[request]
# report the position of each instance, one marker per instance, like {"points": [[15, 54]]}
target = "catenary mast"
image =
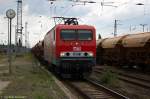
{"points": [[18, 38]]}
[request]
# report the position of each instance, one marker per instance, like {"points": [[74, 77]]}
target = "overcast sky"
{"points": [[39, 13]]}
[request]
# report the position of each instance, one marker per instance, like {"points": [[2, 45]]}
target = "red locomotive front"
{"points": [[71, 48]]}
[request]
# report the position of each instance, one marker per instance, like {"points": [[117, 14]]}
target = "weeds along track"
{"points": [[91, 90], [128, 78]]}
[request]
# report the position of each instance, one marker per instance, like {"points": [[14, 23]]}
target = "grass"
{"points": [[1, 56], [30, 81], [110, 79], [28, 56]]}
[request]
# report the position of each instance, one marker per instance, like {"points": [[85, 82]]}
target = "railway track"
{"points": [[129, 79], [92, 90], [127, 75], [89, 89]]}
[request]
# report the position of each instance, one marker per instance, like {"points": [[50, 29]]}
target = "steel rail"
{"points": [[100, 91], [112, 92], [130, 81]]}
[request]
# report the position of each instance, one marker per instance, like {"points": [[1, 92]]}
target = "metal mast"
{"points": [[26, 35], [115, 27], [19, 24], [143, 26]]}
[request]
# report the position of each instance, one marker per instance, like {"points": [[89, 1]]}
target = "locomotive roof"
{"points": [[136, 40], [62, 26]]}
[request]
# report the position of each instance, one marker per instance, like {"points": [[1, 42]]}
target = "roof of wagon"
{"points": [[136, 40], [112, 42], [98, 41]]}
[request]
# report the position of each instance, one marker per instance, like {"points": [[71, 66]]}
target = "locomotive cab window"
{"points": [[84, 35], [68, 35], [76, 35]]}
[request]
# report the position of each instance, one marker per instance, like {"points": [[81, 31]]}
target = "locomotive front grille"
{"points": [[76, 66]]}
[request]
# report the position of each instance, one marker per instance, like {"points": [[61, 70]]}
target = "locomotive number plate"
{"points": [[76, 54]]}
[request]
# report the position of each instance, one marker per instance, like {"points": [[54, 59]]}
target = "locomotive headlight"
{"points": [[62, 54], [90, 54]]}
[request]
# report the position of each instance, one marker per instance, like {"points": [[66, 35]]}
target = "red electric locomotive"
{"points": [[71, 49]]}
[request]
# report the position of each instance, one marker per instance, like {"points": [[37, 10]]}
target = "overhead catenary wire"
{"points": [[119, 5]]}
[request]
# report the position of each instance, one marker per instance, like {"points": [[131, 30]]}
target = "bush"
{"points": [[109, 78]]}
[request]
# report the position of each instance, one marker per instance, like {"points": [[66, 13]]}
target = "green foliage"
{"points": [[28, 56], [40, 95], [30, 80], [109, 78], [1, 56]]}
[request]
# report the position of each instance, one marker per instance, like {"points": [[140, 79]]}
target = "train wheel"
{"points": [[77, 76], [57, 70], [148, 68], [143, 67]]}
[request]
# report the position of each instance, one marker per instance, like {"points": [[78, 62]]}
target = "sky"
{"points": [[39, 13]]}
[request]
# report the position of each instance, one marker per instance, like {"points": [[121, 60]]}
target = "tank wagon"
{"points": [[137, 49], [70, 49], [38, 50], [130, 50]]}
